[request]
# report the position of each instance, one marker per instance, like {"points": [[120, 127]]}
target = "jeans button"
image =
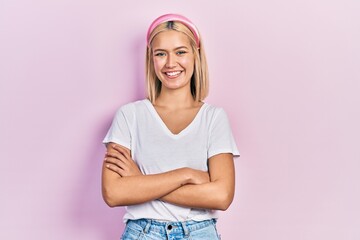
{"points": [[169, 227]]}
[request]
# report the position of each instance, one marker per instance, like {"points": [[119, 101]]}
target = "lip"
{"points": [[173, 74]]}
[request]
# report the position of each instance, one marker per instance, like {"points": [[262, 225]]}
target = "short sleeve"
{"points": [[119, 131], [221, 139]]}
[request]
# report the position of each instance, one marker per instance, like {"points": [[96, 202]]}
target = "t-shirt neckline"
{"points": [[163, 125]]}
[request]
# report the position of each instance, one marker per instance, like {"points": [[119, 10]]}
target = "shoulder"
{"points": [[132, 107], [213, 112], [215, 116], [130, 110]]}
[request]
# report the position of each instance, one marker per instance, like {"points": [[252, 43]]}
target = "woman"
{"points": [[170, 157]]}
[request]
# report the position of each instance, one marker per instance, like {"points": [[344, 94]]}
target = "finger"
{"points": [[125, 152], [122, 172], [118, 159], [125, 161], [122, 162], [119, 156], [114, 168], [111, 150], [122, 150], [119, 150], [114, 155], [117, 162]]}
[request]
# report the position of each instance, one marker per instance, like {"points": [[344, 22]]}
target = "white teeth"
{"points": [[173, 73]]}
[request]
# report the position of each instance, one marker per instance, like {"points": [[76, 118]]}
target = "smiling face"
{"points": [[173, 60]]}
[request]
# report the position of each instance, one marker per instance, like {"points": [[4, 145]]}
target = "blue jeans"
{"points": [[148, 229]]}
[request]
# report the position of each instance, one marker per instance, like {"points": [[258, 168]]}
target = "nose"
{"points": [[171, 61]]}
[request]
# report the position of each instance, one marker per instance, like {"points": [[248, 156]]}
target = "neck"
{"points": [[175, 99]]}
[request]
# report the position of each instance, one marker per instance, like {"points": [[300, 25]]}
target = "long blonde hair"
{"points": [[200, 78]]}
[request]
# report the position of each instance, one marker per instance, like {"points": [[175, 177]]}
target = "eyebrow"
{"points": [[158, 49]]}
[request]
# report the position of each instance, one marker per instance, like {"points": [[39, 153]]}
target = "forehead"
{"points": [[170, 39]]}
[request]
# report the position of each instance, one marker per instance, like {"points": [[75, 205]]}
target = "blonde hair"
{"points": [[200, 78]]}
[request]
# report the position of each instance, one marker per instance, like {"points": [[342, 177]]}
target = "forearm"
{"points": [[124, 184], [212, 195], [120, 191], [217, 194]]}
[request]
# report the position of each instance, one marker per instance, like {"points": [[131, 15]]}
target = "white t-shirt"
{"points": [[156, 149]]}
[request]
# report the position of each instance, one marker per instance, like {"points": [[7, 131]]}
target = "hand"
{"points": [[118, 159], [199, 177]]}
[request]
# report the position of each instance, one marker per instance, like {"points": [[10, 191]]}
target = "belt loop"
{"points": [[186, 229], [147, 227]]}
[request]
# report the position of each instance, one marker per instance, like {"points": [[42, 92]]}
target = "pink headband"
{"points": [[174, 17]]}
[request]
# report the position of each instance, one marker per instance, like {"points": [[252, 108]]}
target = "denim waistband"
{"points": [[163, 227]]}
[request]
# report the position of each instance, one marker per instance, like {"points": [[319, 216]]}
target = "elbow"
{"points": [[224, 201], [224, 206], [110, 198], [109, 202]]}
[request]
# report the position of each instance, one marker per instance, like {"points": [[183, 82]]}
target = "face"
{"points": [[173, 60]]}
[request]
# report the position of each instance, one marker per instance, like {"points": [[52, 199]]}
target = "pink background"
{"points": [[287, 73]]}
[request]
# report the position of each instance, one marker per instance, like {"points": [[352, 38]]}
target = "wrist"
{"points": [[186, 175]]}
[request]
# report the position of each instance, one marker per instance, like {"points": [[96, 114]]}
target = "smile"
{"points": [[173, 74]]}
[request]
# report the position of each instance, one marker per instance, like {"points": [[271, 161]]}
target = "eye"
{"points": [[181, 52], [159, 54]]}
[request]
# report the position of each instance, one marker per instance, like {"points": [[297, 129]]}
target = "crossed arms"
{"points": [[124, 184]]}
